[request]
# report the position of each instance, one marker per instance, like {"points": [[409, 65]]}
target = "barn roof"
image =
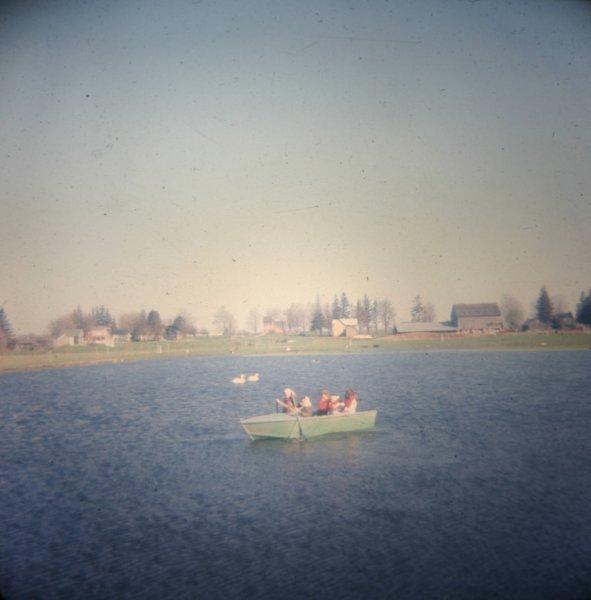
{"points": [[73, 332], [347, 322], [485, 309]]}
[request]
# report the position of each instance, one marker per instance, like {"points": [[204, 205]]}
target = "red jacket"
{"points": [[323, 403]]}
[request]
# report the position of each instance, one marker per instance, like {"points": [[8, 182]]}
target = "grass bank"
{"points": [[285, 345]]}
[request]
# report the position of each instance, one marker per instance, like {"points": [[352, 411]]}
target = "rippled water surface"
{"points": [[136, 480]]}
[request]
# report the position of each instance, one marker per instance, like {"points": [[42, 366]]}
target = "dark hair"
{"points": [[350, 393]]}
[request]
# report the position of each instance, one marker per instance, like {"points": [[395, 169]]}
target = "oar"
{"points": [[297, 414]]}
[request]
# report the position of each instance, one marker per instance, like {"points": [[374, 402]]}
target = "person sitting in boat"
{"points": [[335, 405], [288, 402], [350, 405], [323, 403], [305, 407]]}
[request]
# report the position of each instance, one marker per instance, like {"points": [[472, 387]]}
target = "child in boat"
{"points": [[288, 402], [323, 403], [350, 405], [305, 407], [335, 405]]}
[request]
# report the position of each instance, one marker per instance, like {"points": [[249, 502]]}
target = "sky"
{"points": [[185, 155]]}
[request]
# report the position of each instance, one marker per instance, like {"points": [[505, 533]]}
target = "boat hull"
{"points": [[281, 426]]}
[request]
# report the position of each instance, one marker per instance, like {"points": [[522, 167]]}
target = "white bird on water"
{"points": [[241, 379], [254, 377]]}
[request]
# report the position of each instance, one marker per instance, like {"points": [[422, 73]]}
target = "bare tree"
{"points": [[295, 316], [129, 320], [386, 313], [429, 313], [58, 326], [512, 311], [254, 319], [422, 313], [75, 319], [273, 314], [137, 324], [560, 304], [224, 321]]}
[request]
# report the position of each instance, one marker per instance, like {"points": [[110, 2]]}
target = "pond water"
{"points": [[136, 480]]}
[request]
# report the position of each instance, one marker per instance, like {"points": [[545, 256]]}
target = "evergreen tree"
{"points": [[359, 313], [101, 316], [584, 309], [417, 311], [345, 306], [6, 333], [319, 319], [179, 323], [373, 315], [366, 312], [154, 323], [544, 307], [80, 320], [336, 308]]}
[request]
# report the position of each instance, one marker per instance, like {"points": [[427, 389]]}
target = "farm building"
{"points": [[477, 317], [100, 336], [70, 337], [344, 327], [271, 325], [429, 327], [121, 336]]}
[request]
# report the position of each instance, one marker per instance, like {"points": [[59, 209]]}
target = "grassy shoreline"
{"points": [[285, 346]]}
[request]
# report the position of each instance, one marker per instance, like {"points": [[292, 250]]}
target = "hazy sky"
{"points": [[185, 155]]}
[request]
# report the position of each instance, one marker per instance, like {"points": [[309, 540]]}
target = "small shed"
{"points": [[344, 327], [70, 337], [477, 317]]}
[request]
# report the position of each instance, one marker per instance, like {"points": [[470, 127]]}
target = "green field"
{"points": [[285, 345]]}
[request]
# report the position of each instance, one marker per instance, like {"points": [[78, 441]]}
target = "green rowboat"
{"points": [[282, 426]]}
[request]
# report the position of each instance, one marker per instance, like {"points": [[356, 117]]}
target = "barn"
{"points": [[477, 317]]}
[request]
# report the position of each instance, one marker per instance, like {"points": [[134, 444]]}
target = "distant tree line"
{"points": [[316, 317], [141, 325], [548, 312], [373, 316]]}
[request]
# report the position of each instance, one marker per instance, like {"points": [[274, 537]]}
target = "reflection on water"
{"points": [[137, 480]]}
